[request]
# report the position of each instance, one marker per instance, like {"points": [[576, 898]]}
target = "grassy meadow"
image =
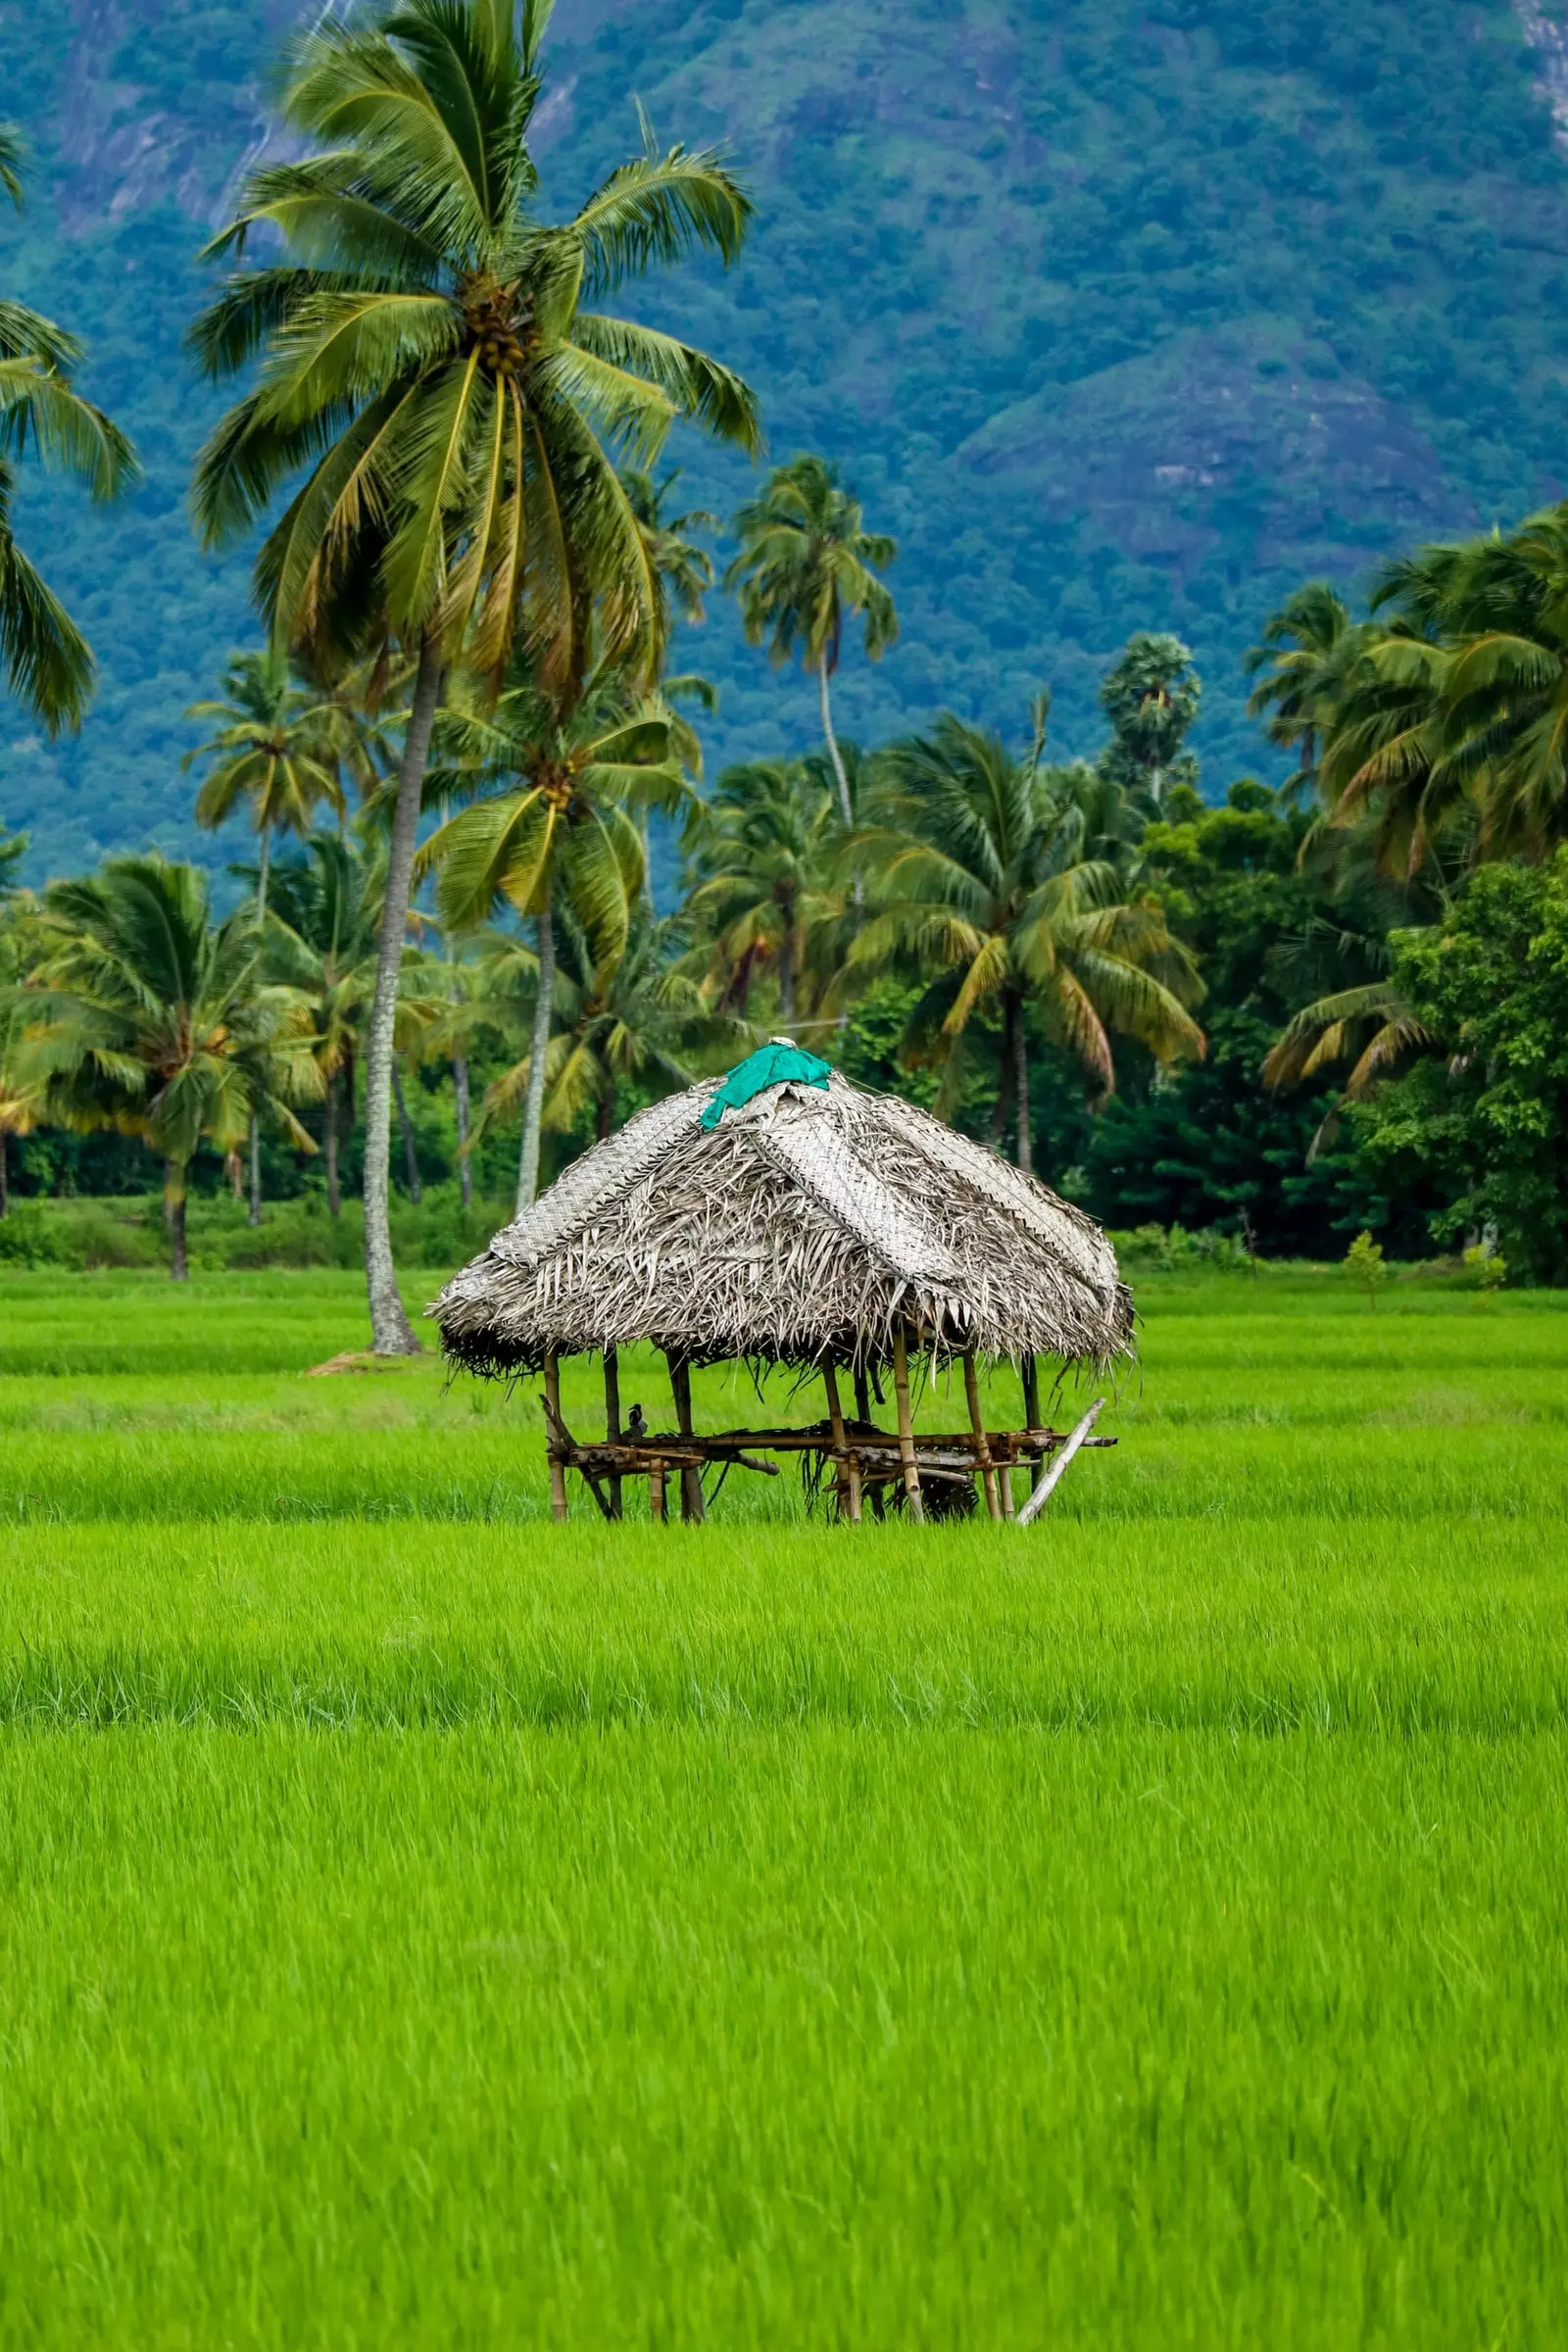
{"points": [[423, 1924]]}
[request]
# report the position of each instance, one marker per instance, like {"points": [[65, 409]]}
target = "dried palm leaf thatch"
{"points": [[801, 1229]]}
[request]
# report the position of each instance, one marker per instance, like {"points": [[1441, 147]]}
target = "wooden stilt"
{"points": [[901, 1387], [982, 1444], [557, 1473], [1031, 1409], [691, 1479], [657, 1509], [613, 1425], [849, 1472], [863, 1414]]}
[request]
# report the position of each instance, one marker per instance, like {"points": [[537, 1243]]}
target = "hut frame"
{"points": [[784, 1216]]}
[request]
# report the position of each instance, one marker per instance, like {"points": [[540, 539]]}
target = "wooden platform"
{"points": [[947, 1459]]}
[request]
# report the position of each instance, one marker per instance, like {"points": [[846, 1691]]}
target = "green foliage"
{"points": [[1483, 1127], [1488, 1269], [1363, 1262]]}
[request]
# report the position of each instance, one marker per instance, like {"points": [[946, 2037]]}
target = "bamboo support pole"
{"points": [[1042, 1494], [848, 1465], [558, 1472], [863, 1414], [612, 1424], [900, 1386], [691, 1478], [982, 1445], [657, 1509], [1031, 1408]]}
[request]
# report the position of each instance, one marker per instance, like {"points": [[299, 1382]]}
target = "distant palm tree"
{"points": [[807, 565], [764, 892], [976, 886], [1303, 664], [21, 1093], [642, 1026], [46, 660], [275, 752], [684, 568], [554, 823], [322, 942], [147, 1019], [427, 355]]}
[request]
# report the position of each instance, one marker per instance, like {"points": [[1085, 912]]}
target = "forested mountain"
{"points": [[1117, 315]]}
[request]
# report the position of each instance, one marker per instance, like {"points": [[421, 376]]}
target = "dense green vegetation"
{"points": [[422, 1922], [1067, 354]]}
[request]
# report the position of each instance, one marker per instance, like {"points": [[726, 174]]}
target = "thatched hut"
{"points": [[782, 1215]]}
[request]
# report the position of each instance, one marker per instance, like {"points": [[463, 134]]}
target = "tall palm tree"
{"points": [[46, 660], [808, 564], [147, 1019], [554, 823], [322, 942], [640, 1026], [763, 890], [427, 352], [976, 886], [275, 752], [1303, 664]]}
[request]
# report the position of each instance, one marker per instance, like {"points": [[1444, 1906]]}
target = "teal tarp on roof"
{"points": [[770, 1065]]}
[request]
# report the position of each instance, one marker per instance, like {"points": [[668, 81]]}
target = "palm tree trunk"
{"points": [[5, 1178], [256, 1124], [533, 1108], [334, 1195], [389, 1325], [410, 1160], [845, 809], [460, 1094], [1020, 1071], [174, 1219], [786, 973]]}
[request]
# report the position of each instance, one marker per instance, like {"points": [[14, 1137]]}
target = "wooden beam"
{"points": [[558, 1472], [901, 1387], [1053, 1478], [982, 1447], [612, 1424], [1031, 1408], [847, 1464], [691, 1478], [863, 1414]]}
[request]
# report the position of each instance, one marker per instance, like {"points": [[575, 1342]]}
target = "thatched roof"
{"points": [[797, 1226]]}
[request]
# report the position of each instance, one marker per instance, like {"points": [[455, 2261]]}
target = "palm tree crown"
{"points": [[45, 658], [977, 885], [806, 564]]}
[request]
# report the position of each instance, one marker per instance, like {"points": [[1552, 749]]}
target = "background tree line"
{"points": [[1303, 1013]]}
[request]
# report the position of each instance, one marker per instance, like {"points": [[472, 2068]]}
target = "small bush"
{"points": [[28, 1237]]}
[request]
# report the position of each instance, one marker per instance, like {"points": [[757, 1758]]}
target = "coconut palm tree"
{"points": [[429, 353], [147, 1020], [322, 942], [21, 1090], [806, 564], [275, 752], [642, 1027], [763, 891], [46, 660], [976, 886], [1303, 664], [554, 823], [683, 567]]}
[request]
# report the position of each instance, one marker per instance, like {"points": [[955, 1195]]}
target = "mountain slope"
{"points": [[1119, 315]]}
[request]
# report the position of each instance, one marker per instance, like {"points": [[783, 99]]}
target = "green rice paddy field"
{"points": [[419, 1924]]}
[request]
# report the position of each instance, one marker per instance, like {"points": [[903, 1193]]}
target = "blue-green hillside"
{"points": [[1118, 314]]}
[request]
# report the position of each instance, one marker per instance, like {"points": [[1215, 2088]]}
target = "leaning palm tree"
{"points": [[274, 753], [145, 1018], [554, 823], [43, 655], [427, 351], [976, 886], [807, 565]]}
